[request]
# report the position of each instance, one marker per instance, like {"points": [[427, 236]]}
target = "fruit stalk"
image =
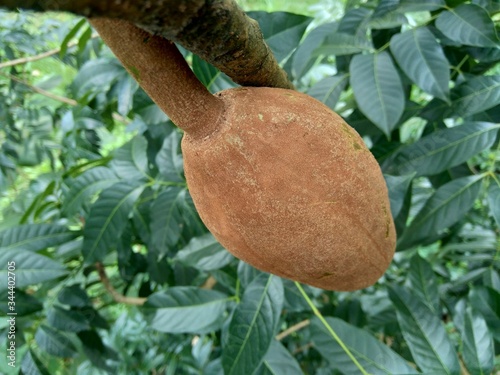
{"points": [[163, 73]]}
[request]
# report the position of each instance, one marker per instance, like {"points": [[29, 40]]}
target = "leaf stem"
{"points": [[330, 329]]}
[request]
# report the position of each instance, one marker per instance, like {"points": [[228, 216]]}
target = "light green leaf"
{"points": [[169, 159], [494, 199], [328, 90], [27, 268], [424, 283], [35, 237], [424, 333], [183, 309], [31, 365], [442, 149], [487, 301], [204, 253], [478, 348], [443, 209], [130, 161], [54, 342], [375, 357], [468, 24], [475, 95], [166, 219], [253, 325], [398, 186], [355, 21], [96, 75], [108, 218], [339, 44], [279, 361], [126, 89], [378, 89], [422, 59], [82, 188]]}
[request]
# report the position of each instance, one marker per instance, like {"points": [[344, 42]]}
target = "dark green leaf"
{"points": [[35, 237], [487, 301], [169, 159], [96, 75], [204, 253], [375, 357], [355, 21], [74, 295], [424, 283], [166, 219], [246, 273], [468, 24], [95, 350], [478, 349], [378, 89], [253, 325], [72, 33], [30, 268], [424, 333], [421, 5], [443, 209], [277, 361], [422, 59], [328, 90], [442, 149], [54, 342], [282, 31], [398, 186], [67, 320], [126, 89], [185, 310], [494, 199], [82, 188], [25, 304], [31, 365], [340, 44], [131, 161], [108, 218], [475, 95]]}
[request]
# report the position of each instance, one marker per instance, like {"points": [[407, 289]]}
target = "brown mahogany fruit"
{"points": [[280, 180]]}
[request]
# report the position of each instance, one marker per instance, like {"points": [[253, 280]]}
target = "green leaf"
{"points": [[131, 161], [282, 31], [443, 209], [204, 253], [166, 219], [74, 295], [183, 309], [28, 268], [398, 186], [96, 75], [378, 89], [31, 365], [442, 149], [475, 95], [35, 237], [82, 188], [468, 24], [54, 342], [420, 6], [328, 90], [25, 304], [99, 354], [422, 59], [70, 35], [67, 320], [126, 89], [478, 348], [108, 218], [169, 159], [253, 325], [340, 44], [487, 301], [424, 333], [278, 360], [424, 283], [494, 199], [355, 21], [375, 357]]}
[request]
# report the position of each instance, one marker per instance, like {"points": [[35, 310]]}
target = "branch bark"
{"points": [[216, 30], [117, 296]]}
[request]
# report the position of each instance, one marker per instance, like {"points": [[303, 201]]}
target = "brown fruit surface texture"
{"points": [[284, 184]]}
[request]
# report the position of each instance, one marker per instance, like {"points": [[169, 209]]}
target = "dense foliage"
{"points": [[115, 272]]}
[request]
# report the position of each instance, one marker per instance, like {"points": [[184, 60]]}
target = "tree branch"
{"points": [[216, 30], [117, 296], [292, 329]]}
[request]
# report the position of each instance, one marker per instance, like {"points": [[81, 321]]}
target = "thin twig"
{"points": [[293, 329], [117, 296], [41, 56]]}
